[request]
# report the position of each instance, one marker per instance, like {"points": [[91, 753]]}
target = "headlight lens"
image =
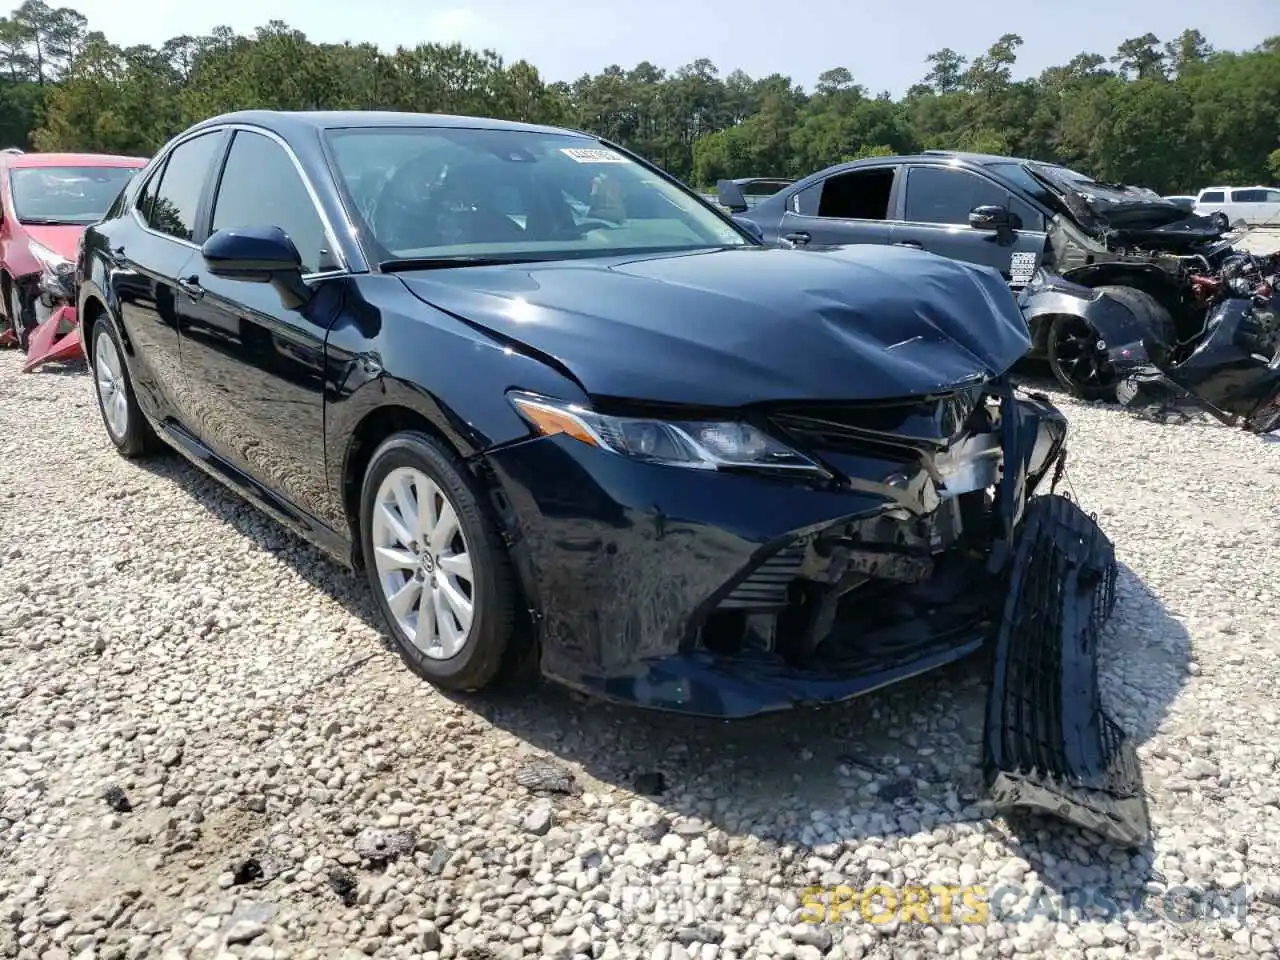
{"points": [[701, 445], [53, 263]]}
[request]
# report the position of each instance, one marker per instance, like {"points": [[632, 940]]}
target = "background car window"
{"points": [[261, 187], [1247, 196], [941, 195], [858, 195], [66, 195], [1213, 196], [177, 197]]}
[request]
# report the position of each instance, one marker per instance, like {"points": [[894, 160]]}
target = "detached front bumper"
{"points": [[56, 336], [55, 340]]}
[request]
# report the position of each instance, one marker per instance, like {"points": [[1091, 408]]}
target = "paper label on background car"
{"points": [[592, 155], [1022, 267]]}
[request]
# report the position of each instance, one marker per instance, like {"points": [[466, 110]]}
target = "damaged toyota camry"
{"points": [[558, 406]]}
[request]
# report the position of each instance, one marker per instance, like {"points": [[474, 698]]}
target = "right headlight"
{"points": [[697, 444]]}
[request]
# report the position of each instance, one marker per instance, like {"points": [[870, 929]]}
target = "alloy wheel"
{"points": [[423, 563], [1081, 356], [109, 374]]}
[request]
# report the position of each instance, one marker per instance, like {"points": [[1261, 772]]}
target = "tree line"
{"points": [[1174, 116]]}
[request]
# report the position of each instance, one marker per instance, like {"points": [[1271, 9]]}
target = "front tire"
{"points": [[21, 319], [1076, 360], [439, 572], [127, 428]]}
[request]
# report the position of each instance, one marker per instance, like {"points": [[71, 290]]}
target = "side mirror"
{"points": [[730, 196], [751, 227], [258, 255], [991, 217]]}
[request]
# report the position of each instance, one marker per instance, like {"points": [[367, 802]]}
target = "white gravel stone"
{"points": [[160, 636]]}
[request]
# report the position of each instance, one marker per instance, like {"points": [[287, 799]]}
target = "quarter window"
{"points": [[173, 208], [260, 187]]}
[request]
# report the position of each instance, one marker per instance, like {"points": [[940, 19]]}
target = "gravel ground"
{"points": [[160, 637]]}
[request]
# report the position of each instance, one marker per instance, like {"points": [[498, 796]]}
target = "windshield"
{"points": [[432, 192], [71, 195]]}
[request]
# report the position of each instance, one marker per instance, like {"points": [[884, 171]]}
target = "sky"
{"points": [[883, 44]]}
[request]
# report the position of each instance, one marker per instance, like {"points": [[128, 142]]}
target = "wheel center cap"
{"points": [[428, 565]]}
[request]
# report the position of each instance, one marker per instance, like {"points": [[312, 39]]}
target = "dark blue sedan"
{"points": [[559, 408]]}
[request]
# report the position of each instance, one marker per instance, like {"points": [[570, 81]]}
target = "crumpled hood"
{"points": [[62, 240], [1118, 208], [731, 327]]}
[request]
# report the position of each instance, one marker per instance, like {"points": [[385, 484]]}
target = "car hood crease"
{"points": [[734, 327]]}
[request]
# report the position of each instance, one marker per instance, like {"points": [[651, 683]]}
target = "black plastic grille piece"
{"points": [[766, 587], [1050, 748]]}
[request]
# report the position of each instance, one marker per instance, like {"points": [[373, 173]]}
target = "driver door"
{"points": [[254, 367], [934, 216]]}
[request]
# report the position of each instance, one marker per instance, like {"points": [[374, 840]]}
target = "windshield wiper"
{"points": [[443, 263], [51, 222]]}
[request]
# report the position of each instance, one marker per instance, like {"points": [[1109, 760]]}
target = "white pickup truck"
{"points": [[1256, 206]]}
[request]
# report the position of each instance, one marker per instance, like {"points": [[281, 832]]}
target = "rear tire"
{"points": [[127, 427], [434, 559]]}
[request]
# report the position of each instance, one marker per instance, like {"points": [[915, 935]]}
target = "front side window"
{"points": [[73, 195], [433, 192], [260, 186], [943, 195], [177, 196], [1212, 196]]}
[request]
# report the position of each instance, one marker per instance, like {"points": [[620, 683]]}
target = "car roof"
{"points": [[292, 122], [72, 160]]}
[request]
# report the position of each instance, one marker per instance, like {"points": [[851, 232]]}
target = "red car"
{"points": [[46, 201]]}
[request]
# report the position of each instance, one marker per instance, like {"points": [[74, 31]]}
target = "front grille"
{"points": [[1050, 748], [922, 421]]}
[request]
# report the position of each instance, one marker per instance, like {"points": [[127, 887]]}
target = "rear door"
{"points": [[933, 214], [848, 207], [148, 259]]}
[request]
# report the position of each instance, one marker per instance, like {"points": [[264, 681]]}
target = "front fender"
{"points": [[1123, 330]]}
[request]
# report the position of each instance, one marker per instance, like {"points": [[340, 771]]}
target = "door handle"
{"points": [[191, 286], [908, 243], [799, 238]]}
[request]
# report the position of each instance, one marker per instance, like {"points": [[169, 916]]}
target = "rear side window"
{"points": [[1213, 196], [261, 187], [857, 195], [176, 202]]}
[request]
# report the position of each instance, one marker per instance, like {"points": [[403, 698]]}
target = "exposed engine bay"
{"points": [[1226, 357]]}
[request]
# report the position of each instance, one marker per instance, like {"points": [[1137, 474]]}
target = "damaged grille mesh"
{"points": [[1050, 748]]}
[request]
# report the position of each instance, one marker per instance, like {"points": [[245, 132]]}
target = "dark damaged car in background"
{"points": [[1125, 292], [557, 406]]}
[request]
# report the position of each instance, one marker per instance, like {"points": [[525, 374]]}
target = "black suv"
{"points": [[1017, 216]]}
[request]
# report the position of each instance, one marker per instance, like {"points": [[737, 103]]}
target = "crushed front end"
{"points": [[731, 593], [56, 335], [922, 540]]}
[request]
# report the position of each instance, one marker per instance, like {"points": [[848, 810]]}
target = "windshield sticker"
{"points": [[1022, 267], [592, 155]]}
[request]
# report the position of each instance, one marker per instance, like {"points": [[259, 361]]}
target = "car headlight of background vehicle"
{"points": [[56, 271], [700, 445]]}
